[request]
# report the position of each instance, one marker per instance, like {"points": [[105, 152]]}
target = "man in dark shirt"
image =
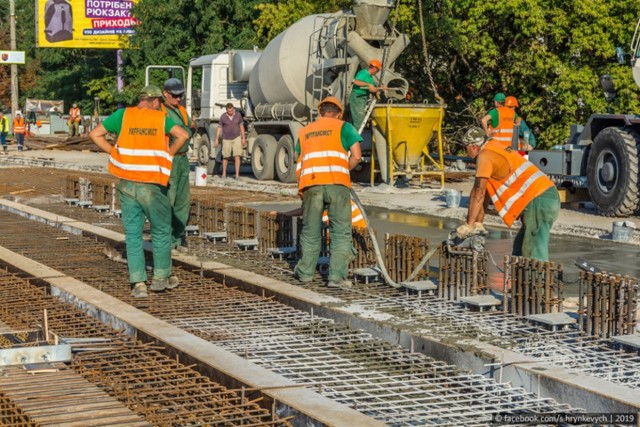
{"points": [[233, 138]]}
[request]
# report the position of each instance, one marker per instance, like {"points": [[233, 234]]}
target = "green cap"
{"points": [[474, 136], [500, 97], [150, 91]]}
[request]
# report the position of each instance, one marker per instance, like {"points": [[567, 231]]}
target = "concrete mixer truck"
{"points": [[278, 89]]}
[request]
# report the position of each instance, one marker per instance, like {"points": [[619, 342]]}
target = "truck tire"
{"points": [[362, 173], [263, 157], [285, 160], [204, 156], [612, 171]]}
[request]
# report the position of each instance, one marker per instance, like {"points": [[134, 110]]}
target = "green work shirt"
{"points": [[113, 123], [364, 76], [348, 135]]}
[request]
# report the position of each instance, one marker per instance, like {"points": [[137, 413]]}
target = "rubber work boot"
{"points": [[173, 282], [342, 284], [158, 285], [139, 290]]}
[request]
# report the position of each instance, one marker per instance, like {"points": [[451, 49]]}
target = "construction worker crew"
{"points": [[178, 191], [517, 188], [74, 120], [363, 85], [4, 131], [19, 129], [142, 159], [231, 126], [323, 182]]}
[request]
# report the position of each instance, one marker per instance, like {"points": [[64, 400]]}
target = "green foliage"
{"points": [[547, 53]]}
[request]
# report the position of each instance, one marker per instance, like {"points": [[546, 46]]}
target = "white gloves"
{"points": [[466, 230]]}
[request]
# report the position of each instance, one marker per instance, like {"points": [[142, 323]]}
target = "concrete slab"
{"points": [[214, 236], [246, 244], [628, 340], [552, 320]]}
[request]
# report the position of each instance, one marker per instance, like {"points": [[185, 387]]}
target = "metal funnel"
{"points": [[370, 17]]}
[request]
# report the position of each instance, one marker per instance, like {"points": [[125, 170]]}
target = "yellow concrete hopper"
{"points": [[401, 134]]}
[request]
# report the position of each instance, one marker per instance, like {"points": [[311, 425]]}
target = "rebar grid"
{"points": [[207, 214], [164, 391], [386, 382], [607, 304], [12, 415], [241, 223], [61, 397], [461, 274], [402, 254], [532, 286], [276, 231]]}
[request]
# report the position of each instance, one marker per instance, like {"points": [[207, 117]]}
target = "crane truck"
{"points": [[602, 155], [277, 90]]}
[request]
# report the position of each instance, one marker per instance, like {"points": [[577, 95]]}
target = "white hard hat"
{"points": [[18, 112]]}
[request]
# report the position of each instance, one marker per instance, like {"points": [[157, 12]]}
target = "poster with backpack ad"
{"points": [[96, 24]]}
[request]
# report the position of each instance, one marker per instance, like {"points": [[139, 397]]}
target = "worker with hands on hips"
{"points": [[517, 188], [142, 159]]}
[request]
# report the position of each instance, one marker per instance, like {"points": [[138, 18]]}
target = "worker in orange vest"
{"points": [[142, 159], [323, 182], [517, 189], [500, 121], [357, 220], [19, 129], [74, 120]]}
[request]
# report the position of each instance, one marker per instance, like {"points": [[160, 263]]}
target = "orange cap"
{"points": [[375, 63], [511, 101], [332, 100]]}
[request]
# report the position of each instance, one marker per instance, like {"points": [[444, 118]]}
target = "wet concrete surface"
{"points": [[608, 256]]}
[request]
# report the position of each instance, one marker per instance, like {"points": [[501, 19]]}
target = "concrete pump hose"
{"points": [[376, 249]]}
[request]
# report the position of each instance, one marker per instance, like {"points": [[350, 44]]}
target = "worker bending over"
{"points": [[323, 181], [517, 189], [142, 159]]}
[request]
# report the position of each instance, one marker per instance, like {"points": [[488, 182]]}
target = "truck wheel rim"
{"points": [[608, 171]]}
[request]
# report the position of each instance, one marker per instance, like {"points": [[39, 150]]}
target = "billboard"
{"points": [[96, 24], [12, 56]]}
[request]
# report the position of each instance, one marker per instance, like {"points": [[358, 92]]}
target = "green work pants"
{"points": [[179, 197], [337, 201], [532, 241], [357, 106], [139, 201]]}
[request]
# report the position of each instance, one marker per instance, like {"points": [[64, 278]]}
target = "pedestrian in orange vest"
{"points": [[19, 129], [517, 189]]}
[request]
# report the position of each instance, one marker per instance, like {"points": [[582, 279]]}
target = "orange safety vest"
{"points": [[524, 183], [19, 126], [142, 153], [181, 109], [74, 115], [323, 160], [356, 216], [504, 131]]}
